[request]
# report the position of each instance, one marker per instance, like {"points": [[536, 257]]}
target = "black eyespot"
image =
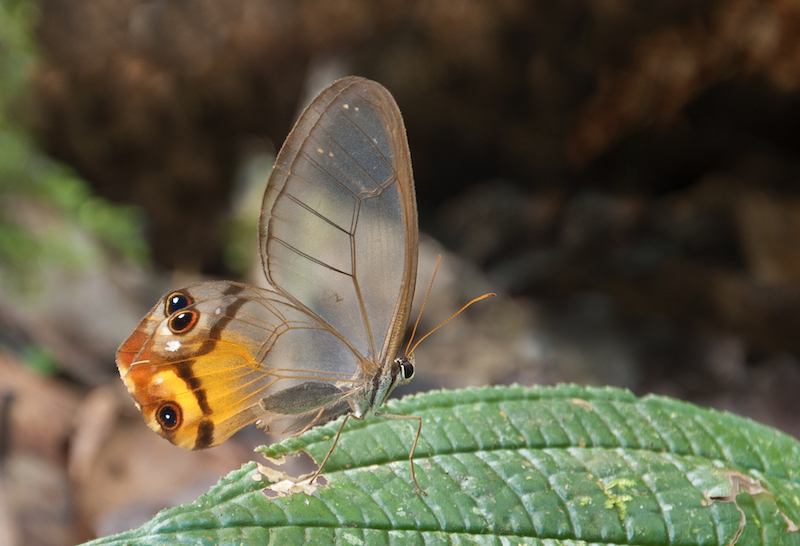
{"points": [[169, 416], [177, 301], [182, 322], [406, 370]]}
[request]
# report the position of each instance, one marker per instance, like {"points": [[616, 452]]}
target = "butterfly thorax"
{"points": [[399, 372]]}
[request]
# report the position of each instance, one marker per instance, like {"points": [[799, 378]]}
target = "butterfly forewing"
{"points": [[339, 227]]}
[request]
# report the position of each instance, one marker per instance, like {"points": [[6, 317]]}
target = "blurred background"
{"points": [[623, 174]]}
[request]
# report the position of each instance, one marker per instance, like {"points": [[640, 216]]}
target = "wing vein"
{"points": [[316, 213], [309, 257]]}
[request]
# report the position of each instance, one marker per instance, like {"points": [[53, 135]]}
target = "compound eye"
{"points": [[169, 416], [181, 323], [177, 301], [406, 370]]}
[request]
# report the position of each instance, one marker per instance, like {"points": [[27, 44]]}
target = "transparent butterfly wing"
{"points": [[338, 229]]}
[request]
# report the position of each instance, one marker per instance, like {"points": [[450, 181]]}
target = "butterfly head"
{"points": [[405, 370]]}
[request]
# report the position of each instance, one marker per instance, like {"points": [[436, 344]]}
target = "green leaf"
{"points": [[508, 465]]}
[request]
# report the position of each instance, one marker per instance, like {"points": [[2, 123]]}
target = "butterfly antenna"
{"points": [[454, 315], [424, 303]]}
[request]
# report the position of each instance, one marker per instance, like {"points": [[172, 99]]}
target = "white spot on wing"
{"points": [[173, 345]]}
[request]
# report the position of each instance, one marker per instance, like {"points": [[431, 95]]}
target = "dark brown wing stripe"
{"points": [[184, 371], [205, 434], [216, 331], [232, 290]]}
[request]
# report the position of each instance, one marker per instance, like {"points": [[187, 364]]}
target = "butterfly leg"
{"points": [[413, 446], [335, 441]]}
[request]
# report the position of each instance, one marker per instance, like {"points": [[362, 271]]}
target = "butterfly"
{"points": [[338, 238]]}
